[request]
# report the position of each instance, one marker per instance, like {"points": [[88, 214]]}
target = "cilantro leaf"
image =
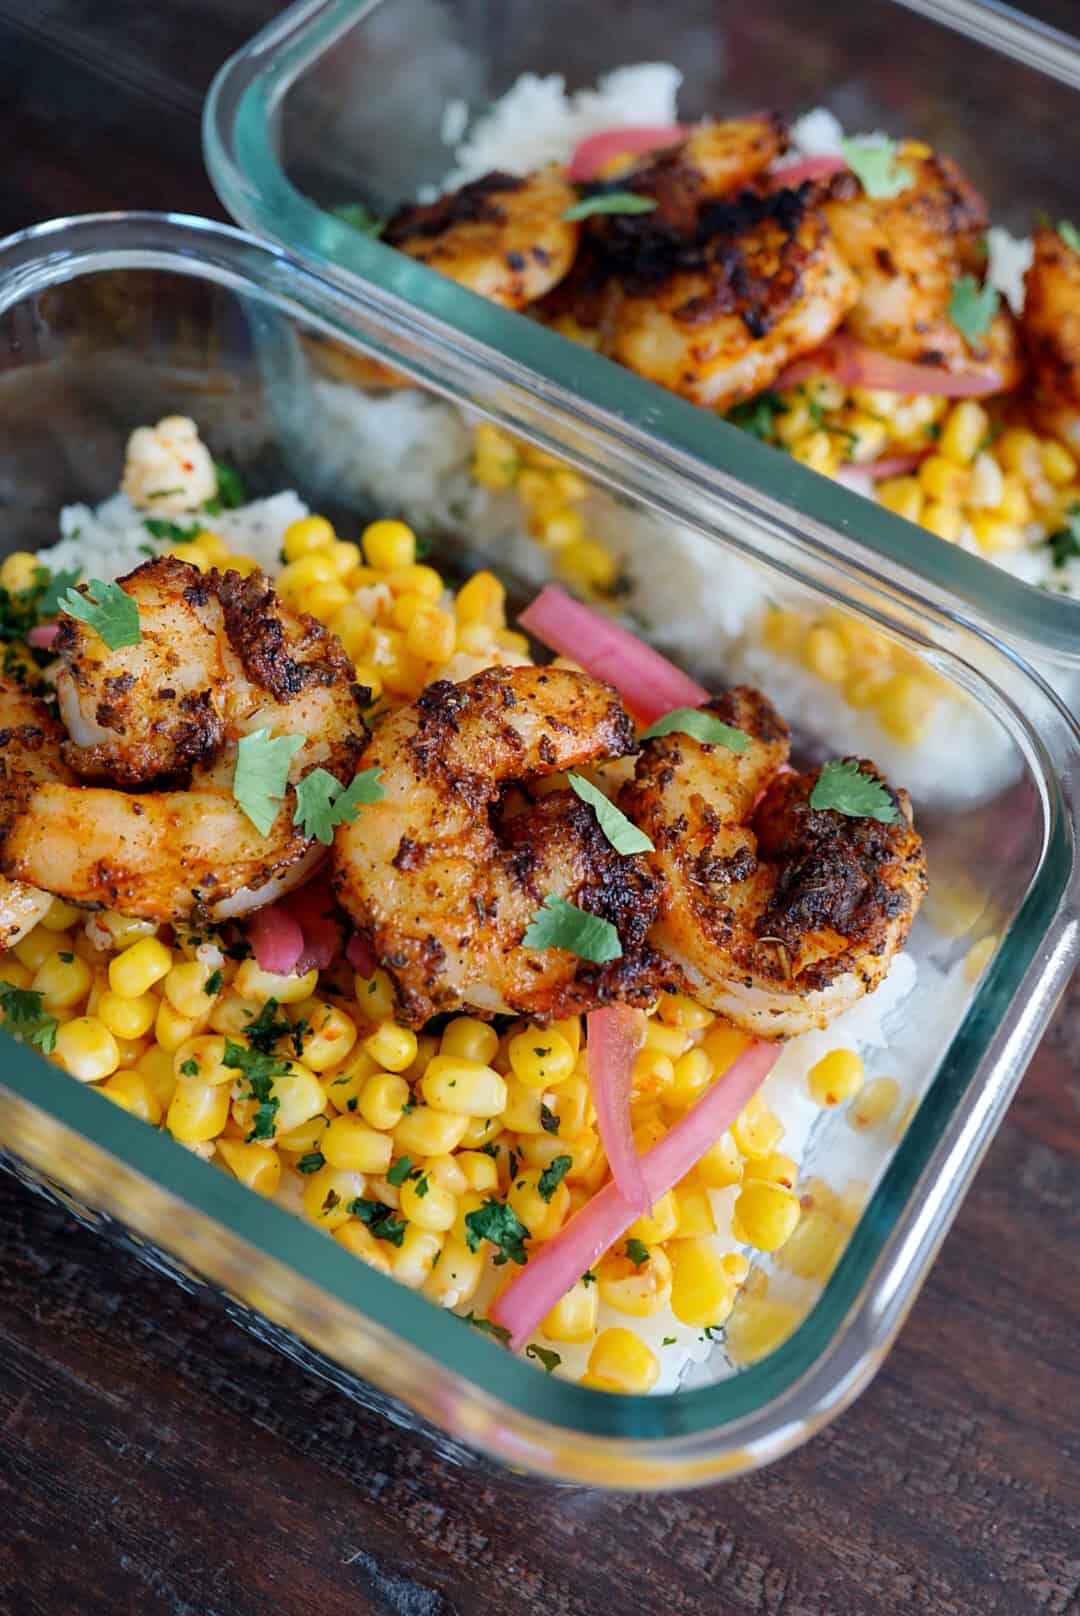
{"points": [[548, 1120], [189, 1067], [621, 832], [588, 1278], [311, 1161], [212, 985], [262, 774], [543, 1355], [842, 786], [231, 490], [637, 1251], [873, 162], [757, 415], [259, 1071], [323, 802], [158, 528], [108, 610], [559, 924], [669, 1341], [379, 1218], [53, 585], [267, 1027], [610, 202], [1069, 234], [400, 1171], [1065, 542], [489, 1327], [972, 307], [553, 1175], [359, 218], [497, 1222], [26, 1018], [705, 727]]}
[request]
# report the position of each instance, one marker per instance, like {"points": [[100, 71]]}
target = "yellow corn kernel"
{"points": [[542, 1217], [824, 653], [252, 982], [127, 1018], [721, 1164], [836, 1077], [693, 1074], [903, 495], [481, 599], [405, 608], [297, 576], [670, 1041], [782, 631], [14, 973], [471, 1038], [904, 706], [941, 479], [521, 1111], [382, 1099], [353, 628], [588, 563], [638, 1289], [375, 997], [815, 1247], [87, 1049], [541, 1149], [621, 1362], [415, 1260], [793, 423], [818, 450], [431, 634], [757, 1130], [463, 1087], [776, 1168], [657, 1225], [59, 916], [1014, 504], [765, 1214], [345, 556], [987, 482], [702, 1292], [875, 1103], [1020, 452], [573, 1318], [329, 1037], [572, 1105], [20, 570], [185, 987], [563, 528], [197, 1111], [155, 1065], [944, 520], [468, 1202], [350, 1143], [324, 600], [758, 1326], [130, 1050], [257, 1166], [371, 678], [425, 1131], [508, 639], [416, 580], [202, 1060], [304, 1139], [723, 1044], [541, 1058], [993, 534], [480, 1131], [964, 431], [135, 971], [1058, 465], [736, 1266], [307, 533], [38, 946], [130, 1090], [299, 1095], [230, 1014], [978, 957], [480, 1171], [328, 1193], [245, 565], [428, 1204], [363, 1244], [864, 687], [125, 929], [653, 1073], [456, 1275], [63, 981], [694, 1209], [868, 439], [388, 544]]}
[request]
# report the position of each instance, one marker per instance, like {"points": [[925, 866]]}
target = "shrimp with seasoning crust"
{"points": [[21, 907], [445, 890], [777, 915], [219, 658], [1051, 330]]}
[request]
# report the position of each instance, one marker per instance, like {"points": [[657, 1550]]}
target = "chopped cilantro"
{"points": [[491, 1149], [873, 162], [267, 1027], [842, 786], [323, 802], [52, 586], [621, 832], [261, 775], [543, 1355], [330, 1200], [67, 958], [108, 610], [512, 1163], [609, 202], [1065, 542], [702, 726], [231, 491], [399, 1172], [213, 983], [559, 924], [553, 1175], [588, 1278], [497, 1222], [259, 1071], [421, 1182], [189, 1067], [758, 415], [158, 528], [311, 1161], [1069, 234], [669, 1341], [548, 1120], [637, 1251], [26, 1018], [379, 1218], [489, 1327], [972, 307]]}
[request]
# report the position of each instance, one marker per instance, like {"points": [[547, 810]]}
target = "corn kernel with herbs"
{"points": [[621, 1362]]}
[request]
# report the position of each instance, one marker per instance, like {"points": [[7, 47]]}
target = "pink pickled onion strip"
{"points": [[615, 1035], [360, 955], [312, 907], [558, 1264], [592, 153], [859, 366], [806, 168], [785, 768], [276, 939], [649, 684], [897, 465], [43, 635]]}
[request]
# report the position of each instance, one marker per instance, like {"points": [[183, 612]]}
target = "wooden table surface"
{"points": [[154, 1459]]}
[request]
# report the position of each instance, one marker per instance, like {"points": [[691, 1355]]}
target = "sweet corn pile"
{"points": [[307, 1090]]}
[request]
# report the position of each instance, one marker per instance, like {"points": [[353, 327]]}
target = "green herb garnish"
{"points": [[231, 492], [669, 1341], [548, 1120], [267, 1027], [621, 832], [379, 1218], [495, 1221], [1065, 542], [637, 1251], [213, 983], [258, 1071], [873, 162], [610, 202], [543, 1355], [588, 1278], [553, 1175], [107, 610], [158, 528], [261, 775], [842, 786], [560, 924], [189, 1068], [757, 415], [972, 307], [67, 958], [26, 1018], [399, 1172], [488, 1326], [52, 585], [1069, 234], [311, 1161], [702, 726], [323, 802]]}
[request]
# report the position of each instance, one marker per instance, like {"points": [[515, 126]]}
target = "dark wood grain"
{"points": [[154, 1459]]}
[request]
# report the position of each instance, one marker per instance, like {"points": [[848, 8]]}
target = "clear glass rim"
{"points": [[769, 1407], [238, 123]]}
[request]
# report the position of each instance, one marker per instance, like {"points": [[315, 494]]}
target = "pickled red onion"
{"points": [[312, 907], [859, 366], [806, 168], [648, 683], [43, 635], [276, 939], [361, 955], [898, 465], [558, 1264], [615, 1035], [592, 153]]}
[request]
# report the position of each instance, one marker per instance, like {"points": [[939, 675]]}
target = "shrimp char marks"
{"points": [[192, 705], [775, 898]]}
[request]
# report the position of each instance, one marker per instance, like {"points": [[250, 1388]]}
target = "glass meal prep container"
{"points": [[342, 101], [113, 321]]}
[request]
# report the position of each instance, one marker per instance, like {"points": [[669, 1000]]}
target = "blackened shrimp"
{"points": [[445, 890], [220, 657], [778, 916], [1051, 331]]}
